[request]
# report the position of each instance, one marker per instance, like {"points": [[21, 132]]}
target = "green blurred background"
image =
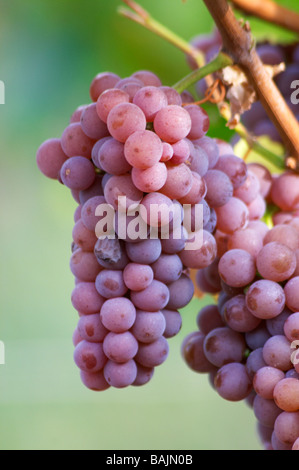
{"points": [[49, 53]]}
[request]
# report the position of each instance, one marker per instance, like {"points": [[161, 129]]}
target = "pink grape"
{"points": [[284, 234], [149, 326], [287, 427], [209, 319], [232, 216], [286, 394], [120, 347], [237, 268], [112, 159], [172, 123], [153, 354], [193, 354], [150, 180], [223, 346], [84, 266], [265, 299], [234, 167], [120, 375], [120, 186], [291, 291], [110, 284], [202, 257], [276, 262], [200, 122], [118, 315], [144, 375], [155, 297], [102, 82], [125, 119], [138, 277], [173, 321], [86, 299], [91, 328], [90, 357], [108, 100], [265, 381], [238, 317], [147, 78], [50, 158], [285, 191], [94, 381], [92, 125], [232, 382], [75, 143], [143, 149], [277, 353], [291, 327], [77, 173], [151, 100]]}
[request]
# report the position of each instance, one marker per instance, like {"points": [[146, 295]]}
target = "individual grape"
{"points": [[264, 176], [208, 319], [144, 375], [203, 285], [197, 192], [144, 252], [287, 427], [108, 100], [128, 81], [150, 180], [94, 190], [278, 445], [90, 357], [94, 381], [284, 234], [110, 284], [249, 190], [120, 347], [159, 210], [153, 354], [151, 100], [210, 147], [277, 353], [77, 173], [212, 274], [257, 338], [234, 167], [291, 291], [167, 152], [89, 217], [86, 299], [285, 191], [223, 346], [199, 160], [181, 293], [125, 119], [173, 321], [76, 116], [255, 362], [275, 325], [102, 82], [224, 148], [265, 299], [91, 328], [271, 54], [111, 254], [138, 277], [291, 327], [202, 257], [84, 238], [238, 317], [232, 216], [296, 445], [276, 262], [50, 158], [75, 143], [112, 159], [266, 411], [92, 125], [249, 240], [265, 381], [77, 215], [172, 96], [219, 188], [193, 353], [232, 382], [181, 152], [147, 78], [286, 394], [172, 123], [148, 326], [153, 298], [237, 268], [281, 218], [257, 208], [259, 227], [122, 186], [95, 151], [84, 266], [200, 122], [168, 268], [179, 182], [118, 315], [120, 375], [143, 149], [176, 241]]}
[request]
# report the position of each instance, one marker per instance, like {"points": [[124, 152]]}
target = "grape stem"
{"points": [[270, 11], [238, 43], [141, 16], [221, 61]]}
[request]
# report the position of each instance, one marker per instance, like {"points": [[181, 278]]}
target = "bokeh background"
{"points": [[49, 53]]}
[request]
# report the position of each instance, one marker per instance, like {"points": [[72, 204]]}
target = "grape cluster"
{"points": [[139, 144], [248, 342], [256, 119]]}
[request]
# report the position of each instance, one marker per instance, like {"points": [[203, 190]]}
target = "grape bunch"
{"points": [[256, 119], [248, 342], [138, 145]]}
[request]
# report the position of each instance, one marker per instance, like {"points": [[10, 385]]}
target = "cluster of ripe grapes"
{"points": [[256, 119], [141, 146]]}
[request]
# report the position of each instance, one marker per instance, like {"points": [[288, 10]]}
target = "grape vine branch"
{"points": [[239, 45], [271, 12]]}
